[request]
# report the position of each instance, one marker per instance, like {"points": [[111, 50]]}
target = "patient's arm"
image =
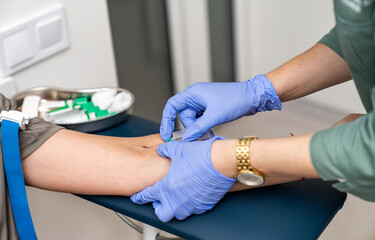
{"points": [[90, 164]]}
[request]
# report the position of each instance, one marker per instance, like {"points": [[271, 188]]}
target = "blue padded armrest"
{"points": [[298, 210]]}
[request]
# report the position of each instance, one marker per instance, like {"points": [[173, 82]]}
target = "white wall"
{"points": [[89, 62], [280, 30]]}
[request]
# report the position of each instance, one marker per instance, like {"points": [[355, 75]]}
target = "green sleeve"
{"points": [[331, 40], [347, 152]]}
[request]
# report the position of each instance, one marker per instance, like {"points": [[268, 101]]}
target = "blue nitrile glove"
{"points": [[219, 103], [192, 185]]}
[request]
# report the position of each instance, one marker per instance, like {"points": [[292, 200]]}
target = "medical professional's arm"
{"points": [[89, 164], [318, 68]]}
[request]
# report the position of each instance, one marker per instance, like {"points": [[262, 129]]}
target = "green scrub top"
{"points": [[347, 152]]}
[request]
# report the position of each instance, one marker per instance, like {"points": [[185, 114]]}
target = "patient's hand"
{"points": [[90, 164]]}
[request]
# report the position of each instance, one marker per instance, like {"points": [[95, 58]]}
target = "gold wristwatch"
{"points": [[246, 173]]}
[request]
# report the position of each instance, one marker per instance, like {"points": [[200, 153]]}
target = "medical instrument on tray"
{"points": [[80, 109], [177, 135]]}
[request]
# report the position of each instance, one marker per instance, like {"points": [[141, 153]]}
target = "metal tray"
{"points": [[51, 93]]}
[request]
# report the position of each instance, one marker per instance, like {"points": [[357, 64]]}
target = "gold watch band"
{"points": [[243, 156]]}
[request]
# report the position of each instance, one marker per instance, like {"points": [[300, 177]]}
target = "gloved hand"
{"points": [[219, 103], [192, 185]]}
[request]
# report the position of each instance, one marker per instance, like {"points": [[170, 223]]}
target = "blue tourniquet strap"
{"points": [[15, 180]]}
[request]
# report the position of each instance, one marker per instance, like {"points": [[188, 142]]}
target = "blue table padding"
{"points": [[299, 210]]}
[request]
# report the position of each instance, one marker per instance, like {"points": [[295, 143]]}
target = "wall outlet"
{"points": [[32, 41]]}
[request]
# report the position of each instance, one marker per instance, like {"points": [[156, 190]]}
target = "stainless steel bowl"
{"points": [[51, 93]]}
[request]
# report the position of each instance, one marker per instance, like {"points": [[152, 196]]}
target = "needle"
{"points": [[153, 145], [168, 140]]}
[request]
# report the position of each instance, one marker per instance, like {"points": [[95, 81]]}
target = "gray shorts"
{"points": [[36, 133]]}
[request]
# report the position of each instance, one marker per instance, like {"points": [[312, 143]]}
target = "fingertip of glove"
{"points": [[135, 198], [163, 136]]}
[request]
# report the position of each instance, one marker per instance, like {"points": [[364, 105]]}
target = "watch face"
{"points": [[250, 179]]}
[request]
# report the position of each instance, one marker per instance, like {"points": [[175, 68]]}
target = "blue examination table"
{"points": [[298, 210]]}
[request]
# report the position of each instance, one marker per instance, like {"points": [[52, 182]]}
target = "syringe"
{"points": [[177, 135]]}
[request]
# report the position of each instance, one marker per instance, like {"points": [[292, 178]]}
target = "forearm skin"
{"points": [[89, 164], [317, 68]]}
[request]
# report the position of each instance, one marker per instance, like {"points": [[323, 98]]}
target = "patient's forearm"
{"points": [[89, 164]]}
